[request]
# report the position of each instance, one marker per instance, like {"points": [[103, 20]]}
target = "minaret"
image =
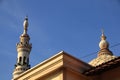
{"points": [[23, 49]]}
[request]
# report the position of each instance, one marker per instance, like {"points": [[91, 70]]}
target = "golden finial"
{"points": [[103, 37]]}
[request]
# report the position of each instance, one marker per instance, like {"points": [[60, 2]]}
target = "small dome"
{"points": [[103, 44]]}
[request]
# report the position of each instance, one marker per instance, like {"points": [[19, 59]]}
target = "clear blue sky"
{"points": [[54, 25]]}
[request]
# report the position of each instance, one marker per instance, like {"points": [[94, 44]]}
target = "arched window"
{"points": [[20, 59], [26, 42], [28, 61], [24, 62]]}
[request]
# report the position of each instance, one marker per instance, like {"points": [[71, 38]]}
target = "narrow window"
{"points": [[24, 60], [27, 61], [20, 59]]}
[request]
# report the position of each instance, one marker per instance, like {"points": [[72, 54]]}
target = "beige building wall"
{"points": [[64, 74], [71, 75], [57, 75]]}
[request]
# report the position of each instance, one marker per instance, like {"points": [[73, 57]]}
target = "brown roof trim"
{"points": [[103, 67]]}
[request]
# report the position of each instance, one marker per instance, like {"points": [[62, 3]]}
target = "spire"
{"points": [[25, 25], [103, 37]]}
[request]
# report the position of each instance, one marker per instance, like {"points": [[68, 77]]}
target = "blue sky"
{"points": [[54, 25]]}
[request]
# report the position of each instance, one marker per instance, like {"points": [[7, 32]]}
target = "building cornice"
{"points": [[60, 60]]}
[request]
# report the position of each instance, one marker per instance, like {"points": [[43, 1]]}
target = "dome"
{"points": [[101, 59], [103, 44], [104, 55]]}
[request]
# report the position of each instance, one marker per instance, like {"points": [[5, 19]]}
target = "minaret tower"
{"points": [[23, 49]]}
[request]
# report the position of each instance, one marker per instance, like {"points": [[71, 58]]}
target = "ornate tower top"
{"points": [[104, 46], [103, 43], [23, 49]]}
